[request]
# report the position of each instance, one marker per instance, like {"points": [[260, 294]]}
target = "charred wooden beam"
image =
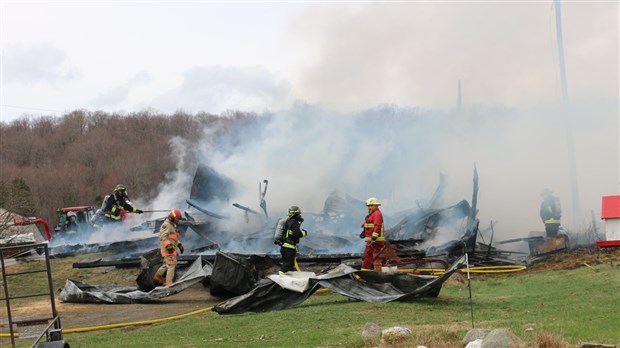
{"points": [[212, 214]]}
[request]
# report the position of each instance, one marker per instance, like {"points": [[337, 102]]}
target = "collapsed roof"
{"points": [[333, 230]]}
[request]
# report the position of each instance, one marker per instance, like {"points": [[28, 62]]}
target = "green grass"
{"points": [[578, 305], [62, 269]]}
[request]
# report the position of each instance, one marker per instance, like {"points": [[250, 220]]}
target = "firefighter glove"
{"points": [[362, 235], [181, 248], [374, 238], [139, 211], [304, 232]]}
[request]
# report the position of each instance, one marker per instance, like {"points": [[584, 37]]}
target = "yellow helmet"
{"points": [[372, 201]]}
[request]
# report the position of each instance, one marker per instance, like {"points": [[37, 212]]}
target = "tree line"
{"points": [[50, 162]]}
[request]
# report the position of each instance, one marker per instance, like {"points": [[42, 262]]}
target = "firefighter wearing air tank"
{"points": [[291, 233], [116, 202], [170, 246], [550, 213], [372, 233]]}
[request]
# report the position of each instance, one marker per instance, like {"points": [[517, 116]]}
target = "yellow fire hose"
{"points": [[473, 269], [434, 271], [119, 325]]}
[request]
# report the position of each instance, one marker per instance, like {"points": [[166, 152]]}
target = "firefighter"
{"points": [[291, 233], [170, 246], [550, 213], [372, 233], [116, 202], [71, 226], [70, 231], [98, 219]]}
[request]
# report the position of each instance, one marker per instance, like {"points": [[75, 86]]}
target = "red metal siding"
{"points": [[611, 207]]}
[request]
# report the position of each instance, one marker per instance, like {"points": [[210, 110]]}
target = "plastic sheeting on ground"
{"points": [[75, 291], [284, 291]]}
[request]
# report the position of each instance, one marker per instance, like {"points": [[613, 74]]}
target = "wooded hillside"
{"points": [[52, 162]]}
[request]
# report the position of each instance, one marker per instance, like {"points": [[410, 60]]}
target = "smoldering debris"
{"points": [[212, 224]]}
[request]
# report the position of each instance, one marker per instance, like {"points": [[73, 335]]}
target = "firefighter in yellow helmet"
{"points": [[372, 233], [170, 246], [291, 233], [114, 204]]}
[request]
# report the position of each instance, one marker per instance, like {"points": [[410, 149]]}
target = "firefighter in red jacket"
{"points": [[373, 233], [170, 246]]}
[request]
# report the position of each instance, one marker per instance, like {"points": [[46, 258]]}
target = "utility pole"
{"points": [[569, 130], [459, 100]]}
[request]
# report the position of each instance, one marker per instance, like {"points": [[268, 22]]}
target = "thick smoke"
{"points": [[380, 119], [413, 53], [397, 155]]}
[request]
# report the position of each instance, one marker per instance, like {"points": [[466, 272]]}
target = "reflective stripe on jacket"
{"points": [[292, 234], [114, 204], [168, 235], [373, 226], [551, 210]]}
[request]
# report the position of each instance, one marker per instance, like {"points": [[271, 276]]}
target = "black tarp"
{"points": [[75, 291], [236, 274], [272, 293]]}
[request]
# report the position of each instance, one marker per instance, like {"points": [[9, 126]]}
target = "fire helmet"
{"points": [[294, 210], [175, 215], [71, 214], [372, 201], [120, 188]]}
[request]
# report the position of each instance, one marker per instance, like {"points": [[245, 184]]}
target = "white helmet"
{"points": [[71, 214], [372, 201]]}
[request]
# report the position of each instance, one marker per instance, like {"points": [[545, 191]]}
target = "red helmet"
{"points": [[175, 215]]}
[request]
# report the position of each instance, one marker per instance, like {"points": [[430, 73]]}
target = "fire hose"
{"points": [[473, 269], [119, 325]]}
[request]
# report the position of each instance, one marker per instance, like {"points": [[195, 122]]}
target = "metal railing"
{"points": [[53, 319]]}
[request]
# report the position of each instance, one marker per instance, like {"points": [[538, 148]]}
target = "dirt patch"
{"points": [[81, 315], [87, 315], [77, 315], [581, 257], [198, 297]]}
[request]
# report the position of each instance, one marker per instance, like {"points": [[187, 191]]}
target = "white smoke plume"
{"points": [[397, 155], [380, 118]]}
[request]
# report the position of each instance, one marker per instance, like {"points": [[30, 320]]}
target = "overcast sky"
{"points": [[213, 56], [342, 58]]}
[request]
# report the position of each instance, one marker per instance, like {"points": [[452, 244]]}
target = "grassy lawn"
{"points": [[571, 305], [579, 305]]}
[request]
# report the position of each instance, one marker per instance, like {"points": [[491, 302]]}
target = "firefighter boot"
{"points": [[158, 280]]}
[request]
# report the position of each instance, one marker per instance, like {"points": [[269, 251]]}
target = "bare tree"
{"points": [[79, 158], [16, 199]]}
